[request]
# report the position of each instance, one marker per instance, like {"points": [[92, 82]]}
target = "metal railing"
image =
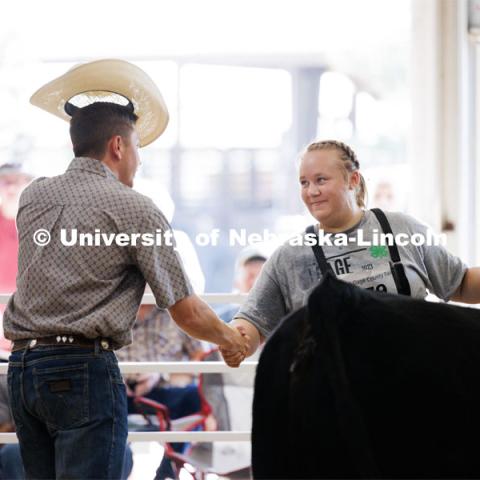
{"points": [[172, 367], [149, 299]]}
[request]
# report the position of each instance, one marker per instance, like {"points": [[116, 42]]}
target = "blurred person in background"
{"points": [[384, 196], [11, 466], [13, 179], [248, 266], [156, 338]]}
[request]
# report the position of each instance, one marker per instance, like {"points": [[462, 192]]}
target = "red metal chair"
{"points": [[156, 417]]}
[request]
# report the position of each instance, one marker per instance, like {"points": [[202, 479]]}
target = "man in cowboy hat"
{"points": [[75, 304]]}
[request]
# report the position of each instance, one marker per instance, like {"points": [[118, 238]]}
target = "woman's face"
{"points": [[327, 193]]}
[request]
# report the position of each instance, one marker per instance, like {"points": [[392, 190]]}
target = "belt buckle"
{"points": [[105, 344]]}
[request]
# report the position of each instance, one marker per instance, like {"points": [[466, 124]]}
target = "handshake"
{"points": [[238, 346]]}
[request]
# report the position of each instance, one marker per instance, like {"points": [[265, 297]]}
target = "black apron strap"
{"points": [[398, 270], [319, 255]]}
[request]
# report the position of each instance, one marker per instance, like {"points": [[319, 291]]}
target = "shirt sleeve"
{"points": [[265, 304], [445, 271], [160, 263]]}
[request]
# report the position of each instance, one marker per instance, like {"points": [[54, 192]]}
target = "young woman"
{"points": [[333, 190]]}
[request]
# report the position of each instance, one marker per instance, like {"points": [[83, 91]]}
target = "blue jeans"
{"points": [[11, 465], [70, 410]]}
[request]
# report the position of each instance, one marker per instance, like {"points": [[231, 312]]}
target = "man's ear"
{"points": [[115, 147]]}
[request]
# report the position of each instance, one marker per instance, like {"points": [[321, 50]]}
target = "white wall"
{"points": [[442, 155]]}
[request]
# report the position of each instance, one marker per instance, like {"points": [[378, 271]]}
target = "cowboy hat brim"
{"points": [[108, 76]]}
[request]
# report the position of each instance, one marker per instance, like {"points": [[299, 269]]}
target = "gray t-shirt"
{"points": [[292, 272]]}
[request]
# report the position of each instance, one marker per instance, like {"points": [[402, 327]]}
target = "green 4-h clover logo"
{"points": [[379, 251]]}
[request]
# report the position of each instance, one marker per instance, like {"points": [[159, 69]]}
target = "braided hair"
{"points": [[349, 161]]}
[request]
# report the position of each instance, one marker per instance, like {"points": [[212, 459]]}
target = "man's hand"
{"points": [[145, 383], [198, 320], [235, 350], [232, 354]]}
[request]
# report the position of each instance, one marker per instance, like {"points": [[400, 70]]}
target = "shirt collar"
{"points": [[91, 165]]}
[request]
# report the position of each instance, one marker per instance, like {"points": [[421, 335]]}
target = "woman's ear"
{"points": [[354, 180]]}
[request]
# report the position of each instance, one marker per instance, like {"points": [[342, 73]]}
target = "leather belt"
{"points": [[62, 341]]}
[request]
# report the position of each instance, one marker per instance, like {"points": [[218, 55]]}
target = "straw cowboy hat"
{"points": [[110, 80]]}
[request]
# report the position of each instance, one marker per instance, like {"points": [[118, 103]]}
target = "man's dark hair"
{"points": [[91, 127]]}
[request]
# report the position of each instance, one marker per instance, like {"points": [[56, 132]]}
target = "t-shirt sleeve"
{"points": [[445, 271], [265, 305], [160, 263]]}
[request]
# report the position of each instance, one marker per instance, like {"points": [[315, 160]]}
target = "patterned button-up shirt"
{"points": [[93, 291]]}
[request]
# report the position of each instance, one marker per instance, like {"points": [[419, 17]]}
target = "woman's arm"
{"points": [[262, 310], [469, 289]]}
